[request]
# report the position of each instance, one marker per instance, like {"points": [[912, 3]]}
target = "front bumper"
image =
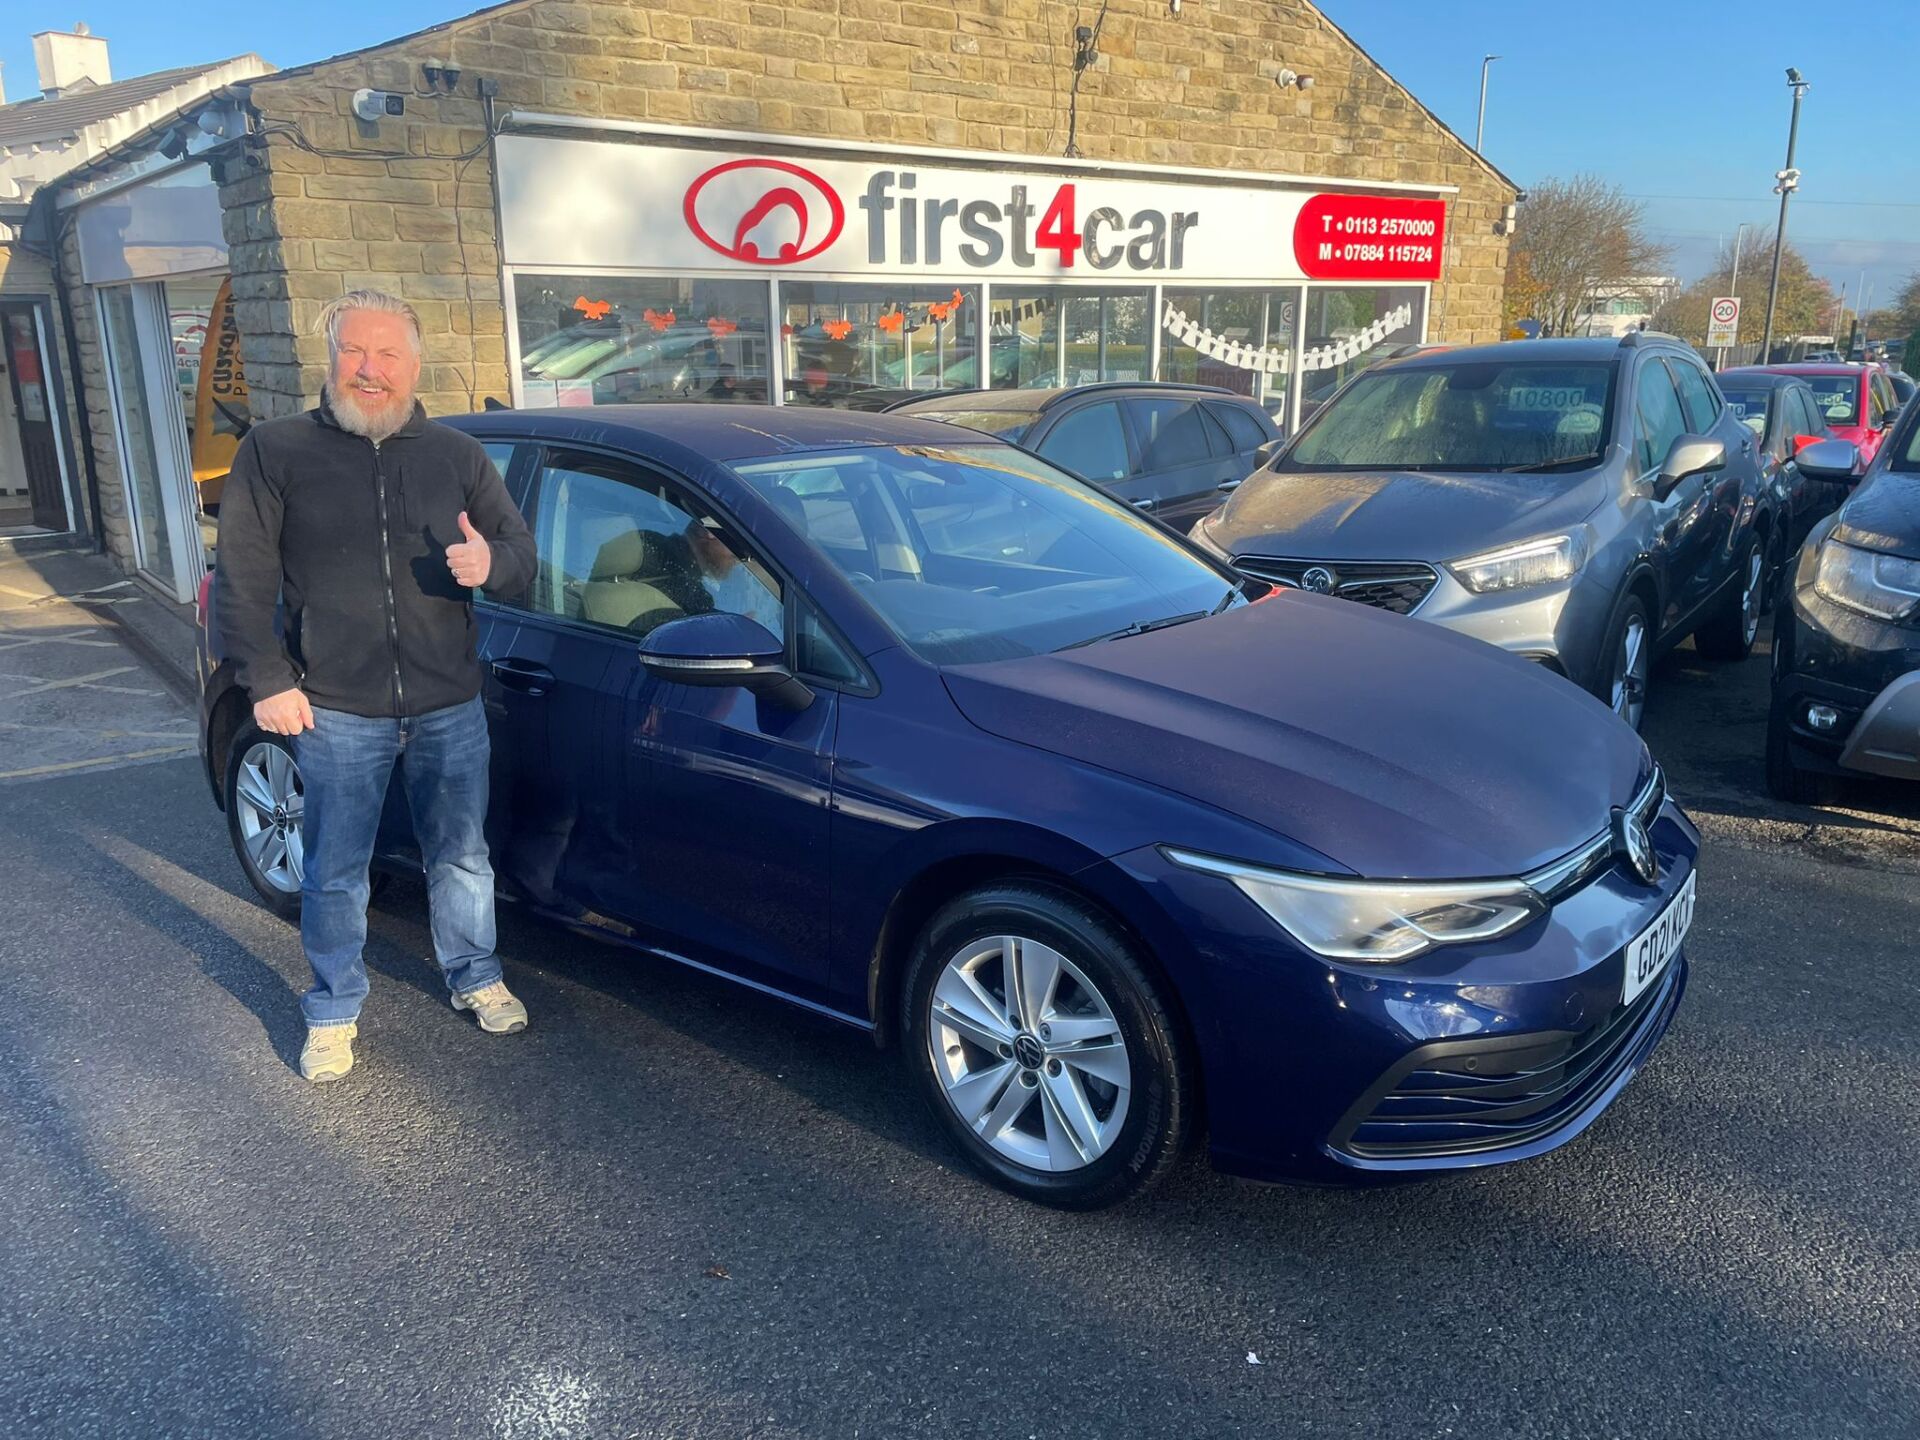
{"points": [[1866, 671], [1298, 1052]]}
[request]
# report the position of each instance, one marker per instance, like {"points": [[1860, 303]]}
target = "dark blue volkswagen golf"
{"points": [[908, 727]]}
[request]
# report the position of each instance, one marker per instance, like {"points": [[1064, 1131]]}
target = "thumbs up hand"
{"points": [[472, 560]]}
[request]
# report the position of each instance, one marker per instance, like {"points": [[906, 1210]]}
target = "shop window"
{"points": [[616, 340], [1240, 340], [864, 345], [1348, 328], [1054, 335]]}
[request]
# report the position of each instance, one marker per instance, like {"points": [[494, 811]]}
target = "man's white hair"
{"points": [[337, 310]]}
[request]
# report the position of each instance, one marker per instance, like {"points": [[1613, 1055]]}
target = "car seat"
{"points": [[623, 588]]}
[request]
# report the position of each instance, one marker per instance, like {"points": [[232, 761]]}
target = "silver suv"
{"points": [[1584, 503]]}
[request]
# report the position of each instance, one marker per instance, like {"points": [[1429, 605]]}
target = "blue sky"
{"points": [[1666, 98]]}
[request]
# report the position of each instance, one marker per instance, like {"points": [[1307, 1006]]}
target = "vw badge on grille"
{"points": [[1319, 579], [1630, 838]]}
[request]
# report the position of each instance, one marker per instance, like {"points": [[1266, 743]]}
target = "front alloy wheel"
{"points": [[266, 807], [1631, 658], [1028, 1053]]}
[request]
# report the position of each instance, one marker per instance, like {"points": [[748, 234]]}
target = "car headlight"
{"points": [[1883, 586], [1517, 567], [1381, 921]]}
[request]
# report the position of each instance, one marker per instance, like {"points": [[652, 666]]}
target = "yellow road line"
{"points": [[153, 754]]}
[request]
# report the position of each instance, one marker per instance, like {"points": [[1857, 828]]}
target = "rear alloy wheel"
{"points": [[1045, 1049], [266, 806], [1629, 659], [1730, 634]]}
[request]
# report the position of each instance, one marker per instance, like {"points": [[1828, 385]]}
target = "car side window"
{"points": [[503, 453], [1658, 418], [1171, 433], [1877, 400], [1090, 443], [1697, 399], [625, 549], [1242, 429], [1807, 419]]}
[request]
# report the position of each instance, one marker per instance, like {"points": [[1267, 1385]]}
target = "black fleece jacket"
{"points": [[353, 537]]}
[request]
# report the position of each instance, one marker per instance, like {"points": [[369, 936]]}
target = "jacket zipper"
{"points": [[386, 573]]}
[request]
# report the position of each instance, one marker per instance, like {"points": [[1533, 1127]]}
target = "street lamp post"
{"points": [[1480, 130], [1739, 243], [1789, 181]]}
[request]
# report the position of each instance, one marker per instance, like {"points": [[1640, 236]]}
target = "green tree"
{"points": [[1807, 305]]}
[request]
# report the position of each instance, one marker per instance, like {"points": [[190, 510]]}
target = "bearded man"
{"points": [[369, 527]]}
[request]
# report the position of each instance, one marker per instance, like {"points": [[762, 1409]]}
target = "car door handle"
{"points": [[1143, 504], [526, 676]]}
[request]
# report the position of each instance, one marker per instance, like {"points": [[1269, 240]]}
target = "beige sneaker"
{"points": [[495, 1007], [329, 1052]]}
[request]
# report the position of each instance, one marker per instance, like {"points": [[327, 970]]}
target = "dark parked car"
{"points": [[1583, 502], [1786, 417], [1164, 448], [1846, 638], [908, 727]]}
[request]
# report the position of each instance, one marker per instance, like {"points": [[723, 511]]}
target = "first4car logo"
{"points": [[764, 212], [773, 212]]}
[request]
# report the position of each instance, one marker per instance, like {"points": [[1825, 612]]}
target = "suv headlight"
{"points": [[1883, 586], [1375, 920], [1517, 567]]}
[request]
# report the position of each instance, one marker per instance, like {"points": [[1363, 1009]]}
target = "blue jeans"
{"points": [[345, 764]]}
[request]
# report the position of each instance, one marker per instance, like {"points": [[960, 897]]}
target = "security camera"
{"points": [[372, 105], [1306, 82]]}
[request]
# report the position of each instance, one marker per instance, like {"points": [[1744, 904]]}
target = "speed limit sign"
{"points": [[1723, 321]]}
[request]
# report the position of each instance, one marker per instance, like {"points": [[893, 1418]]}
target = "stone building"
{"points": [[807, 201]]}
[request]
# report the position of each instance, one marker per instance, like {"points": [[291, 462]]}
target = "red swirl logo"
{"points": [[764, 212]]}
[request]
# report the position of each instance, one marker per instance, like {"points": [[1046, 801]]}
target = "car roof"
{"points": [[1813, 367], [710, 431], [1572, 349], [1046, 399]]}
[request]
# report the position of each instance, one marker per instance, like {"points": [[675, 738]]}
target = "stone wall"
{"points": [[407, 205]]}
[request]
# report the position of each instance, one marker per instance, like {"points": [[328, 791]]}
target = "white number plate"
{"points": [[1657, 945]]}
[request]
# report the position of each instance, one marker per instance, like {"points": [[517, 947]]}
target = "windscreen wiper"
{"points": [[1142, 627], [1542, 466]]}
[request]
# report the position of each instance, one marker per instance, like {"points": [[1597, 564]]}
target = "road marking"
{"points": [[105, 762]]}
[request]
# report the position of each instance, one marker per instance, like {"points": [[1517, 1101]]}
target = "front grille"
{"points": [[1393, 585], [1469, 1097]]}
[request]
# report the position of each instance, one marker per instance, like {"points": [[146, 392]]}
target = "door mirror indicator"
{"points": [[720, 650]]}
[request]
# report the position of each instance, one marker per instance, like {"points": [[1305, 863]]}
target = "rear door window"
{"points": [[1242, 429], [1696, 395], [1090, 443], [1171, 433]]}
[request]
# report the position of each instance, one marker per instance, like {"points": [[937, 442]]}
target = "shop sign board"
{"points": [[574, 204]]}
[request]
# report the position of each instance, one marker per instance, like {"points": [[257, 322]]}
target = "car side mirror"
{"points": [[724, 650], [1892, 414], [1691, 455], [1801, 442], [1830, 460], [1264, 455]]}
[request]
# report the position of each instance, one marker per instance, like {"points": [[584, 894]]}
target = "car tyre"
{"points": [[1730, 634], [1786, 779], [1086, 1085], [1626, 661]]}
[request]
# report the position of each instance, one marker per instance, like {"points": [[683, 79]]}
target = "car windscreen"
{"points": [[1839, 397], [984, 552], [1001, 424], [1749, 405], [1485, 415]]}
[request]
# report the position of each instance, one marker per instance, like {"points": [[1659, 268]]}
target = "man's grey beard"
{"points": [[355, 419]]}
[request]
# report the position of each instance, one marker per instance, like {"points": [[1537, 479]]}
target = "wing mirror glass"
{"points": [[1830, 460]]}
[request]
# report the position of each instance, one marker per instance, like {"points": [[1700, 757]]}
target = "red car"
{"points": [[1859, 400]]}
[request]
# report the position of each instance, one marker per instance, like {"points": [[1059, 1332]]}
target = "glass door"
{"points": [[153, 438]]}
